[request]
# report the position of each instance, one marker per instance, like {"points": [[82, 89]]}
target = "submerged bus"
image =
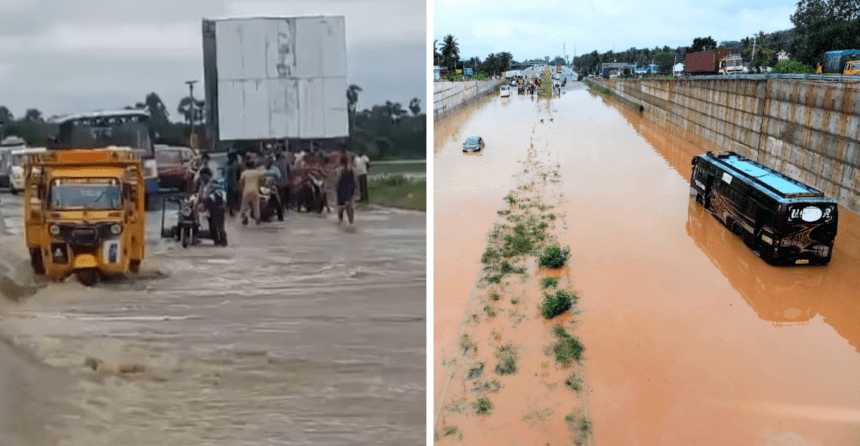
{"points": [[782, 220], [120, 128]]}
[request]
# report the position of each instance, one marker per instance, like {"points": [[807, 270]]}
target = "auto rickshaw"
{"points": [[84, 212]]}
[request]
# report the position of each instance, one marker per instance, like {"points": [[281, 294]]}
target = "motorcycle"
{"points": [[187, 230], [187, 227], [270, 201]]}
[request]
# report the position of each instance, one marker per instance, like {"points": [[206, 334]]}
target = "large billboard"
{"points": [[276, 77]]}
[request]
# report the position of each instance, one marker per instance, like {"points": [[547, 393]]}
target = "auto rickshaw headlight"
{"points": [[186, 210], [55, 230], [115, 229]]}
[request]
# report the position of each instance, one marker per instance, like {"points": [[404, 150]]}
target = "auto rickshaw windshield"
{"points": [[86, 193]]}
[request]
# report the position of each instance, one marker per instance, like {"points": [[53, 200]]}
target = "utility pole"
{"points": [[191, 114]]}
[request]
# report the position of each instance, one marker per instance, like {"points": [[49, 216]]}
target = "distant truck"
{"points": [[836, 62], [708, 62], [558, 68]]}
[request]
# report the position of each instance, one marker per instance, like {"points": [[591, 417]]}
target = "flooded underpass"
{"points": [[298, 332], [690, 338]]}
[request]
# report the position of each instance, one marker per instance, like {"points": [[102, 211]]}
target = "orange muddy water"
{"points": [[690, 338]]}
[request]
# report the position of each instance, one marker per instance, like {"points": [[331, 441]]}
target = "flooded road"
{"points": [[299, 332], [690, 338]]}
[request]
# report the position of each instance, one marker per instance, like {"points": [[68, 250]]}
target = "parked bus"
{"points": [[782, 220], [121, 128]]}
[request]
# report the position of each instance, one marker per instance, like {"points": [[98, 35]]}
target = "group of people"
{"points": [[238, 190]]}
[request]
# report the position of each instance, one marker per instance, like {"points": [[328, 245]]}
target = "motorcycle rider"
{"points": [[214, 199]]}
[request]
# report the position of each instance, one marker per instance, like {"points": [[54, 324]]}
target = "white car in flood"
{"points": [[16, 177], [505, 90]]}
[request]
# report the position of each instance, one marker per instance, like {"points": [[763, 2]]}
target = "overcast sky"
{"points": [[65, 56], [534, 29]]}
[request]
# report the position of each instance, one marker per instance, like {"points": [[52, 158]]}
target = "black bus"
{"points": [[782, 220]]}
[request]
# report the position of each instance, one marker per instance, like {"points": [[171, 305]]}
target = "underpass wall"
{"points": [[809, 131], [449, 96]]}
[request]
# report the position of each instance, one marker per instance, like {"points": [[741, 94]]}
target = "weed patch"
{"points": [[490, 255], [483, 406], [554, 256], [468, 344], [567, 349], [507, 356], [549, 282]]}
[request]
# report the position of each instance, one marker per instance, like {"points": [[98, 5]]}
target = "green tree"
{"points": [[352, 102], [184, 109], [5, 115], [664, 61], [33, 115], [450, 51], [415, 106], [703, 43], [825, 25]]}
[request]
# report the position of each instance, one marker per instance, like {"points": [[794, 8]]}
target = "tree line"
{"points": [[390, 130], [819, 26]]}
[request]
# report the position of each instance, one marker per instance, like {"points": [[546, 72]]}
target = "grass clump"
{"points": [[490, 255], [511, 199], [555, 304], [496, 278], [554, 256], [490, 311], [515, 300], [573, 382], [567, 349], [549, 282], [507, 356], [450, 430], [518, 243], [483, 405], [495, 295]]}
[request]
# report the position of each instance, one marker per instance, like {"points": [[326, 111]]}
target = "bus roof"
{"points": [[103, 114], [770, 179]]}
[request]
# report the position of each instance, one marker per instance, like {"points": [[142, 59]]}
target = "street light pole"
{"points": [[191, 113]]}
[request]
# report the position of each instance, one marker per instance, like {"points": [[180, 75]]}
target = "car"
{"points": [[16, 179], [173, 165], [473, 144]]}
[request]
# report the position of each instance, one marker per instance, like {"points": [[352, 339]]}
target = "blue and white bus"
{"points": [[120, 128]]}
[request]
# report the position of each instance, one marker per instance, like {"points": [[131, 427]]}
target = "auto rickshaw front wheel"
{"points": [[36, 261], [88, 277]]}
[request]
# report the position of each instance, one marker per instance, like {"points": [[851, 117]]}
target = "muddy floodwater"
{"points": [[299, 332], [690, 338]]}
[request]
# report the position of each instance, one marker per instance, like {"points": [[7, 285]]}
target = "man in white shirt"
{"points": [[362, 165]]}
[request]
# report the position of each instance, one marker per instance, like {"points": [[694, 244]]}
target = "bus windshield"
{"points": [[108, 129], [86, 193]]}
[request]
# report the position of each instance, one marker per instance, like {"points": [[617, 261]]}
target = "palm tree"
{"points": [[415, 106], [352, 104], [450, 50]]}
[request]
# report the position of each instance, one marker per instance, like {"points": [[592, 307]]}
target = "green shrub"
{"points": [[549, 282], [567, 348], [490, 255], [792, 66], [554, 256], [556, 304], [483, 405]]}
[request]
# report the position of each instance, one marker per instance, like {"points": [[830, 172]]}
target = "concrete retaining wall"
{"points": [[809, 131], [448, 96]]}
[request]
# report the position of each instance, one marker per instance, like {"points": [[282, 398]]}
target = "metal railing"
{"points": [[763, 76]]}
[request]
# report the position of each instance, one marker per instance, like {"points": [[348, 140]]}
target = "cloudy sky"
{"points": [[534, 29], [64, 56]]}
